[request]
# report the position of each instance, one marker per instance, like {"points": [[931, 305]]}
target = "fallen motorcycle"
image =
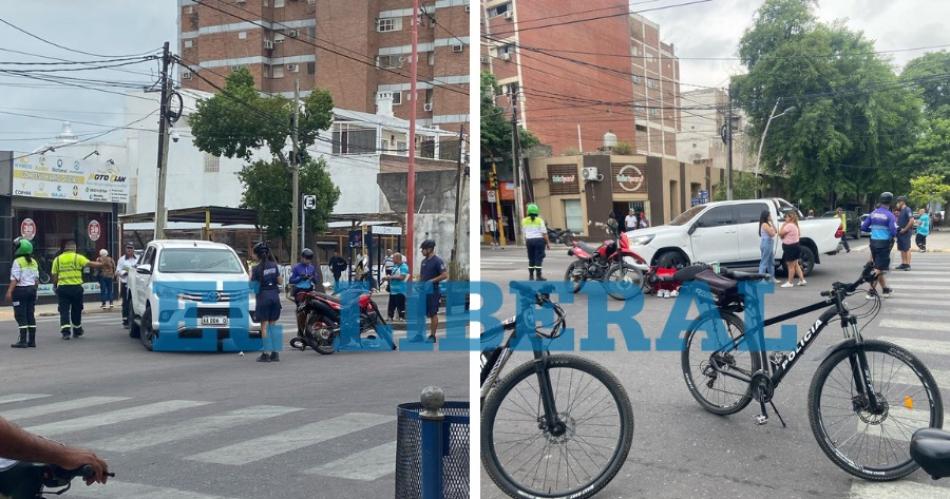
{"points": [[321, 315], [613, 262]]}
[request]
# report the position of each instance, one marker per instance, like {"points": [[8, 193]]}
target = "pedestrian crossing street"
{"points": [[236, 440], [916, 317]]}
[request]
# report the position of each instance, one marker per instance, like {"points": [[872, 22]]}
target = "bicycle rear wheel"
{"points": [[718, 393], [868, 443], [526, 460]]}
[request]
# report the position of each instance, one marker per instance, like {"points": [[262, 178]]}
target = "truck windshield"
{"points": [[199, 261], [686, 216]]}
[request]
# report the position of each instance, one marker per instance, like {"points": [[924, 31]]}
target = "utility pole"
{"points": [[295, 165], [729, 143], [413, 102], [163, 126], [516, 168], [458, 196], [500, 220]]}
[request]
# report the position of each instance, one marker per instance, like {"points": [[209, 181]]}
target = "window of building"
{"points": [[397, 98], [498, 10], [278, 4], [573, 217], [637, 80], [651, 58], [428, 96], [351, 139], [389, 61], [242, 35], [212, 163], [189, 44], [387, 24], [635, 50], [651, 83], [654, 112], [432, 58], [311, 68], [311, 32], [277, 71]]}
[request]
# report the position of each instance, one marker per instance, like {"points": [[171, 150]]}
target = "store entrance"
{"points": [[622, 208]]}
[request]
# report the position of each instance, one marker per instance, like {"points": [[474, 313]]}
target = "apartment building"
{"points": [[578, 78], [357, 49], [700, 139]]}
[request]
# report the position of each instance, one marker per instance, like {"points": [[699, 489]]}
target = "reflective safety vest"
{"points": [[533, 229], [29, 271], [68, 268]]}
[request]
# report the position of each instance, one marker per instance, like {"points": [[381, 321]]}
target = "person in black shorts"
{"points": [[267, 276], [432, 270], [905, 228], [882, 225]]}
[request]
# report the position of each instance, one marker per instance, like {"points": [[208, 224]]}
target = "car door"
{"points": [[713, 236], [143, 280], [747, 230]]}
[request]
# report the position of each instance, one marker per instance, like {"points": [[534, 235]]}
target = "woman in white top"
{"points": [[22, 292]]}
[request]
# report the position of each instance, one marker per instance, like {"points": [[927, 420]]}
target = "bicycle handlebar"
{"points": [[867, 275]]}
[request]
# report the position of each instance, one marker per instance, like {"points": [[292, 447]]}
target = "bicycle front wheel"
{"points": [[525, 459], [868, 442]]}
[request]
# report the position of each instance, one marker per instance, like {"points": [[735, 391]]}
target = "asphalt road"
{"points": [[203, 426], [680, 450]]}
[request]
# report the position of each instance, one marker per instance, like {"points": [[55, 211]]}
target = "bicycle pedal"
{"points": [[761, 419]]}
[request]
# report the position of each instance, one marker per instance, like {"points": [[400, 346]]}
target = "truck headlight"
{"points": [[641, 240]]}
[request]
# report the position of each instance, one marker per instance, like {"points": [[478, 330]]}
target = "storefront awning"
{"points": [[204, 214]]}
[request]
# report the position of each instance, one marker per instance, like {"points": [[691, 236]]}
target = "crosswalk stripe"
{"points": [[919, 312], [117, 490], [290, 440], [367, 465], [911, 280], [919, 346], [889, 490], [190, 428], [21, 397], [919, 325], [113, 417], [906, 300], [919, 288], [44, 409], [907, 377]]}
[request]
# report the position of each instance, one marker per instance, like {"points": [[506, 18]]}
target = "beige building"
{"points": [[700, 141]]}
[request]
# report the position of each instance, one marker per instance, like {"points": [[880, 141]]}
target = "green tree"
{"points": [[743, 187], [928, 74], [928, 188], [496, 132], [931, 152], [239, 120], [853, 121]]}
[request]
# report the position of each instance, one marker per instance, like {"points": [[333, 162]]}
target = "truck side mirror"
{"points": [[144, 268]]}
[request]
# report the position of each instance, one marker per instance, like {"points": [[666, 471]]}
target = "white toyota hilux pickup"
{"points": [[727, 232]]}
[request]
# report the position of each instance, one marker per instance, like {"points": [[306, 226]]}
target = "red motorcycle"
{"points": [[321, 318], [612, 262]]}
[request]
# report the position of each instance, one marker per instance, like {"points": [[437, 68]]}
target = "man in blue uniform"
{"points": [[432, 270], [883, 228]]}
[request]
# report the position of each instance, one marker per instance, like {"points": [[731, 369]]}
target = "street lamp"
{"points": [[758, 157]]}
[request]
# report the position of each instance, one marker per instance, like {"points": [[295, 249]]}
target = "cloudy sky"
{"points": [[713, 29], [109, 27]]}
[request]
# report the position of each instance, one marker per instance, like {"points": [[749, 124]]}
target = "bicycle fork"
{"points": [[551, 421], [862, 384]]}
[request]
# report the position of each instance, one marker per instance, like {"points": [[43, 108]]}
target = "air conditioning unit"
{"points": [[186, 75], [293, 68], [427, 107], [468, 7], [505, 56], [458, 48], [279, 38], [591, 174], [269, 44], [293, 33], [485, 59], [509, 15]]}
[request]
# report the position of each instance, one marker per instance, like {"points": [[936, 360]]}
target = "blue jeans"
{"points": [[767, 261], [105, 290]]}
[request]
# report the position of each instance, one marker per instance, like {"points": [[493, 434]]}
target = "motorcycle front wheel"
{"points": [[624, 281], [576, 274]]}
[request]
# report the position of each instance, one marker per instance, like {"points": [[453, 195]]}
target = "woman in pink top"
{"points": [[791, 249]]}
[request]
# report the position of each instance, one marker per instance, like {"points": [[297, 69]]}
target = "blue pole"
{"points": [[432, 418]]}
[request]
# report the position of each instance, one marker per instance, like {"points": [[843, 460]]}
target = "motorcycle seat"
{"points": [[930, 448], [327, 297], [586, 247]]}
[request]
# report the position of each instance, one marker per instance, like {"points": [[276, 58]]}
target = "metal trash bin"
{"points": [[432, 449]]}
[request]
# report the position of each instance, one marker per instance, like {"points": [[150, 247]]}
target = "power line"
{"points": [[626, 12], [41, 78], [44, 40]]}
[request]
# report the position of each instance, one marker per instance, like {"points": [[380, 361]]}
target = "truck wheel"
{"points": [[671, 259], [807, 260], [134, 330], [147, 334]]}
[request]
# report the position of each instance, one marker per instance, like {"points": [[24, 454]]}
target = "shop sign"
{"points": [[28, 229], [563, 179], [628, 178], [386, 231], [94, 230], [490, 195], [54, 177]]}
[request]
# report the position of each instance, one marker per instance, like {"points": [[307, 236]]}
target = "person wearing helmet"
{"points": [[304, 276], [266, 275], [536, 239], [882, 225], [432, 269], [905, 227], [22, 291]]}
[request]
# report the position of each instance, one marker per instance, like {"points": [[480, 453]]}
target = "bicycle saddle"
{"points": [[717, 283], [930, 447], [744, 276]]}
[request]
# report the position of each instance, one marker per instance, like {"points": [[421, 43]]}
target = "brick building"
{"points": [[578, 78], [357, 49]]}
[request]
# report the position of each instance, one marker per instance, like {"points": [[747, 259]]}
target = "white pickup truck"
{"points": [[727, 232], [207, 274]]}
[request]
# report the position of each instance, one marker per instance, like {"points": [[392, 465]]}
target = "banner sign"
{"points": [[45, 176], [47, 289], [384, 230]]}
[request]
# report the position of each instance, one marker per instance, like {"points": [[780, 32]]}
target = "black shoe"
{"points": [[886, 292], [431, 339], [21, 343], [31, 339], [66, 337], [540, 278], [264, 357], [77, 332], [274, 357], [906, 268]]}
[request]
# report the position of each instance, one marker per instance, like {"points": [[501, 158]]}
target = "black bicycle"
{"points": [[22, 480], [865, 401], [558, 426]]}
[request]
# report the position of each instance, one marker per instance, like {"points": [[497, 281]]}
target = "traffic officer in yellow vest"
{"points": [[22, 291], [536, 239], [67, 281]]}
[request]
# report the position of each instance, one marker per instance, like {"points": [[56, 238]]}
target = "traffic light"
{"points": [[492, 180]]}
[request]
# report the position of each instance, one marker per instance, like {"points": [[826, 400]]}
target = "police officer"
{"points": [[536, 239], [22, 291], [67, 281]]}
